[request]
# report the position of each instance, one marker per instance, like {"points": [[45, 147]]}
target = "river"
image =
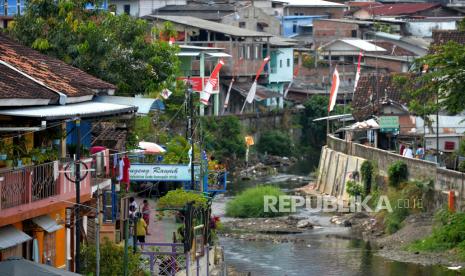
{"points": [[321, 253]]}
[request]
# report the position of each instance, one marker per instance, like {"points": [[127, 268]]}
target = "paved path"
{"points": [[160, 230]]}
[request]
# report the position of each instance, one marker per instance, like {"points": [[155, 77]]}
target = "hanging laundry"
{"points": [[127, 165]]}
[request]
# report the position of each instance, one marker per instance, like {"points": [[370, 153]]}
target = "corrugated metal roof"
{"points": [[261, 94], [47, 223], [208, 25], [314, 3], [144, 105], [220, 54], [20, 266], [363, 45], [85, 110], [10, 236]]}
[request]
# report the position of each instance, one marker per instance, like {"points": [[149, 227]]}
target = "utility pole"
{"points": [[126, 244], [97, 234], [78, 196], [191, 131]]}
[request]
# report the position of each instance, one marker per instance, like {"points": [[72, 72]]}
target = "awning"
{"points": [[188, 54], [10, 236], [20, 266], [144, 105], [335, 117], [261, 94], [219, 54], [47, 223], [84, 109]]}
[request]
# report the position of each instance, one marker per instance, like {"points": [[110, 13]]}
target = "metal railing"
{"points": [[165, 258], [28, 184]]}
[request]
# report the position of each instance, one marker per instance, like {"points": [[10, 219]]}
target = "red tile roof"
{"points": [[444, 36], [371, 91], [53, 72], [401, 9], [363, 4], [14, 85]]}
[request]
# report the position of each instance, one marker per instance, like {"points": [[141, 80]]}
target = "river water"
{"points": [[323, 251]]}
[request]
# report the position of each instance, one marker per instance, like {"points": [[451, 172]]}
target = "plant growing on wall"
{"points": [[179, 198], [367, 175], [397, 173], [354, 188]]}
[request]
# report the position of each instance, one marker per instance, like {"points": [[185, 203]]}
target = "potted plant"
{"points": [[4, 149]]}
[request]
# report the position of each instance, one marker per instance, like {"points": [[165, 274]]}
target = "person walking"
{"points": [[141, 229], [420, 152], [146, 214]]}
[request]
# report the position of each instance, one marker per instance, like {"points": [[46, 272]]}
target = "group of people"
{"points": [[407, 151], [141, 219]]}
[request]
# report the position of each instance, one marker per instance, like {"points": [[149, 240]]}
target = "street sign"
{"points": [[162, 172], [389, 123]]}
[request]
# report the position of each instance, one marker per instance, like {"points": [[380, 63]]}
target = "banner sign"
{"points": [[196, 83], [162, 172], [389, 123]]}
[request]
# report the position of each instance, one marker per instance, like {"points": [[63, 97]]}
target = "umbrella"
{"points": [[151, 148], [17, 266]]}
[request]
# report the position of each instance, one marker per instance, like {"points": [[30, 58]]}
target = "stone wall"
{"points": [[444, 180]]}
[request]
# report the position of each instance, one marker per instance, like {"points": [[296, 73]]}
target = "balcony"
{"points": [[31, 191]]}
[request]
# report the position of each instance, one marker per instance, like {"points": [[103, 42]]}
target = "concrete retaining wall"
{"points": [[335, 170], [444, 180]]}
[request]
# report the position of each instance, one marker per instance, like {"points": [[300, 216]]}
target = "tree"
{"points": [[275, 142], [441, 86], [118, 49]]}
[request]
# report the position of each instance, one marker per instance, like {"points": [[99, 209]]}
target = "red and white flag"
{"points": [[212, 82], [171, 41], [226, 100], [357, 75], [296, 72], [334, 89], [253, 88]]}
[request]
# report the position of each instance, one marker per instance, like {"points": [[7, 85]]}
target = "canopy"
{"points": [[10, 236], [150, 148]]}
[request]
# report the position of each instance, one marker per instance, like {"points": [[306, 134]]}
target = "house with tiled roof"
{"points": [[41, 98], [443, 36], [405, 9]]}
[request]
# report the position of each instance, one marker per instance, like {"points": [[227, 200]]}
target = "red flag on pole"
{"points": [[212, 81], [357, 75], [334, 89], [251, 95]]}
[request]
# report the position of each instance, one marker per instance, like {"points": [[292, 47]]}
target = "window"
{"points": [[257, 52], [288, 62], [294, 26], [12, 8], [296, 13], [247, 53], [127, 9], [354, 33], [242, 25], [241, 52], [280, 63]]}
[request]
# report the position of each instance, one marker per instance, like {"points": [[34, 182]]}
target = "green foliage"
{"points": [[177, 151], [275, 142], [461, 150], [223, 137], [380, 27], [397, 173], [118, 49], [250, 203], [445, 80], [462, 166], [111, 256], [179, 198], [354, 189], [366, 170], [308, 61], [449, 233]]}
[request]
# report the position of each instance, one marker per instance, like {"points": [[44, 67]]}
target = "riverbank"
{"points": [[370, 228]]}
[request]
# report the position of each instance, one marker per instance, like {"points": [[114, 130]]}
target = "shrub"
{"points": [[367, 175], [462, 166], [353, 188], [111, 260], [250, 203], [275, 142], [179, 198], [448, 234], [397, 173]]}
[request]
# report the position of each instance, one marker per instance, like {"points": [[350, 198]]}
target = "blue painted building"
{"points": [[295, 25]]}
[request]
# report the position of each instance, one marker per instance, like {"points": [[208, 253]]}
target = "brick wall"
{"points": [[325, 31]]}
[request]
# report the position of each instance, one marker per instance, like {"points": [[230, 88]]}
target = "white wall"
{"points": [[141, 8], [284, 73], [425, 29]]}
